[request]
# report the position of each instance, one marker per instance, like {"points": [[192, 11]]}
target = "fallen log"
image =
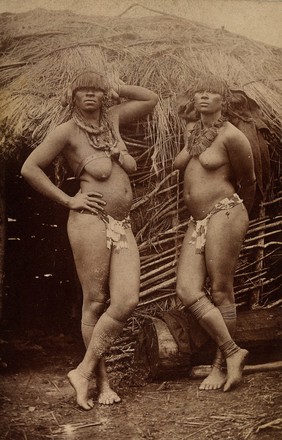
{"points": [[157, 351], [160, 353]]}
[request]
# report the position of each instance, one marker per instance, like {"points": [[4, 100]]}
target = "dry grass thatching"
{"points": [[40, 52]]}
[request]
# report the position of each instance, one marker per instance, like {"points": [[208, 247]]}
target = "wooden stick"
{"points": [[202, 371], [247, 289], [150, 259], [155, 190], [278, 231], [272, 201], [160, 258], [150, 301], [166, 283], [13, 65], [255, 246], [158, 277], [157, 270]]}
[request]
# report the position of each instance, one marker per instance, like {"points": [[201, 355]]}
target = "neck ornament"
{"points": [[200, 138], [100, 137]]}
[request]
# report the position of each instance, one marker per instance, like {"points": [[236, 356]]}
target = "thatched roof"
{"points": [[41, 51]]}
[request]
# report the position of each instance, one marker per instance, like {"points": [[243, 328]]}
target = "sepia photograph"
{"points": [[141, 217]]}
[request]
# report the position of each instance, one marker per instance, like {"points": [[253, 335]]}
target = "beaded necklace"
{"points": [[199, 138], [100, 138]]}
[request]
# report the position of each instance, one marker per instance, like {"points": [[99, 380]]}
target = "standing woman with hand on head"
{"points": [[104, 248], [219, 188]]}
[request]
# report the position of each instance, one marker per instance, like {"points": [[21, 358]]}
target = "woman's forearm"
{"points": [[137, 93], [127, 162]]}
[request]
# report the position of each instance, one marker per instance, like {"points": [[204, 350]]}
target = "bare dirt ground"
{"points": [[38, 403]]}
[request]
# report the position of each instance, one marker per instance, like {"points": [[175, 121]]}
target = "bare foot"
{"points": [[107, 396], [235, 365], [80, 385], [215, 380]]}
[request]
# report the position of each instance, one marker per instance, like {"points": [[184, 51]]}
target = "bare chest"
{"points": [[214, 157]]}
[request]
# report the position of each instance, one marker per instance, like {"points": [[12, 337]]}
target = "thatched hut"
{"points": [[40, 51]]}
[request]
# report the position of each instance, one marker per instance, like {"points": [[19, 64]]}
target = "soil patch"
{"points": [[38, 403]]}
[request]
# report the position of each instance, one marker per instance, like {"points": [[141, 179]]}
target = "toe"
{"points": [[202, 385], [85, 406], [90, 403]]}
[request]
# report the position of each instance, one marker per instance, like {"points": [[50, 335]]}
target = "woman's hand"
{"points": [[115, 152], [115, 89], [92, 201]]}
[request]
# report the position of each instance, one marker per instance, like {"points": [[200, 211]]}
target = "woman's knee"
{"points": [[181, 292], [222, 292], [124, 308], [93, 302], [188, 294], [93, 294]]}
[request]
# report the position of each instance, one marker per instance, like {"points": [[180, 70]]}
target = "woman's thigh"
{"points": [[225, 235], [125, 271], [191, 270], [87, 235]]}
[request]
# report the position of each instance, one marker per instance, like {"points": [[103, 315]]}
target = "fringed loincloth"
{"points": [[200, 226], [115, 230]]}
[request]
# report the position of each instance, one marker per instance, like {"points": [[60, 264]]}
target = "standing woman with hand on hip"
{"points": [[104, 248], [219, 188]]}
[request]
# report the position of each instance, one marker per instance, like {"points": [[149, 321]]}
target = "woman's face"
{"points": [[208, 102], [89, 99]]}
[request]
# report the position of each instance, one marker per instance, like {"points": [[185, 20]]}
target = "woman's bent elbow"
{"points": [[132, 169], [27, 171], [176, 165], [24, 171], [154, 100]]}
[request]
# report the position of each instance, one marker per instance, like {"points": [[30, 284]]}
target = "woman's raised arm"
{"points": [[140, 102]]}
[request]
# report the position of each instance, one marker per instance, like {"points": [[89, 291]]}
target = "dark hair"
{"points": [[89, 79], [211, 83]]}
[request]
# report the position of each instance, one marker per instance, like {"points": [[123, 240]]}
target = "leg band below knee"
{"points": [[201, 307], [229, 348], [228, 311]]}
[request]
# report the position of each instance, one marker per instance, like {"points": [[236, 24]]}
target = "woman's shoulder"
{"points": [[65, 128], [235, 138], [112, 113], [233, 132], [62, 134], [70, 124]]}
